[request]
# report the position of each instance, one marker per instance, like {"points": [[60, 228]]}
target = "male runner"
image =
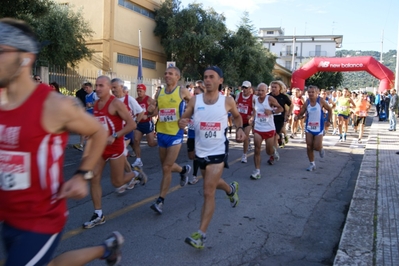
{"points": [[209, 111], [171, 103], [34, 121]]}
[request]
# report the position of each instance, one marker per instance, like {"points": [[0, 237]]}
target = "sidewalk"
{"points": [[371, 232]]}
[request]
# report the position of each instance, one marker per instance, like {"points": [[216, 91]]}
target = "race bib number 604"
{"points": [[14, 170], [211, 130]]}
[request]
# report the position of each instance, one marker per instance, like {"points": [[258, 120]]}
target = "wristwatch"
{"points": [[87, 175], [114, 135]]}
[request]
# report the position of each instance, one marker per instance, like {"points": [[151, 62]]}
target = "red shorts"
{"points": [[266, 135], [115, 150]]}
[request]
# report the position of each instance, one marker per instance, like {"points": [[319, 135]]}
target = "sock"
{"points": [[160, 199], [107, 252], [202, 233], [138, 159], [230, 129], [313, 163], [195, 166], [99, 212], [184, 170], [232, 190], [136, 174]]}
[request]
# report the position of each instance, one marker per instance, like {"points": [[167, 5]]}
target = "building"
{"points": [[116, 25], [292, 51]]}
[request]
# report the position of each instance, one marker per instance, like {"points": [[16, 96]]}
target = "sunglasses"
{"points": [[37, 79], [244, 87]]}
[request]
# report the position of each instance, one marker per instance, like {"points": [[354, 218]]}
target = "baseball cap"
{"points": [[246, 84], [141, 87], [216, 69]]}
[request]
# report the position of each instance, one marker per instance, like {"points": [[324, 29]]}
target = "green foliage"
{"points": [[362, 79], [325, 80], [61, 31], [196, 38]]}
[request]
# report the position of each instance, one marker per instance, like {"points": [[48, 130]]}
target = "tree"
{"points": [[60, 31], [325, 80]]}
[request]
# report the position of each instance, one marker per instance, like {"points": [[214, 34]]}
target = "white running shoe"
{"points": [[276, 154], [137, 163], [311, 167], [244, 158]]}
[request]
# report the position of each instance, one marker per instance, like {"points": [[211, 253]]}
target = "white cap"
{"points": [[246, 84]]}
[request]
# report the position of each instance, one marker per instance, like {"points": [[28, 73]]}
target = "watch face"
{"points": [[88, 175]]}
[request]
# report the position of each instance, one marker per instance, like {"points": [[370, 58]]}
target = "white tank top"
{"points": [[263, 122], [210, 125]]}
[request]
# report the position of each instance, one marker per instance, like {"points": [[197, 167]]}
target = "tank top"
{"points": [[31, 168], [315, 118], [144, 104], [111, 123], [244, 106], [263, 122], [210, 125], [298, 103], [343, 105], [90, 98], [170, 106], [361, 107]]}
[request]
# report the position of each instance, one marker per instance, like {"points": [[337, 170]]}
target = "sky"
{"points": [[365, 24]]}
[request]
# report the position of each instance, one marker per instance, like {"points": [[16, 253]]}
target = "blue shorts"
{"points": [[130, 136], [166, 141], [145, 127], [23, 247], [344, 116]]}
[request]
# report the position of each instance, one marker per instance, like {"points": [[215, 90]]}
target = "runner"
{"points": [[211, 145], [145, 126], [198, 89], [171, 103], [298, 102], [361, 110], [314, 124], [33, 193], [344, 103], [111, 113], [244, 102], [264, 109]]}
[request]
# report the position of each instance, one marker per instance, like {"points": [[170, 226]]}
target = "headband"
{"points": [[12, 36]]}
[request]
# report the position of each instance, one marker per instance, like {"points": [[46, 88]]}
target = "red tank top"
{"points": [[297, 105], [111, 123], [31, 168], [244, 107], [144, 105]]}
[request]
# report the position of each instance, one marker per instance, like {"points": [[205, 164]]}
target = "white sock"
{"points": [[99, 212], [312, 163]]}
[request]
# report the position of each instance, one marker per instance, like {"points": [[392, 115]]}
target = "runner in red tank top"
{"points": [[145, 126], [34, 121], [111, 113], [298, 102], [244, 105]]}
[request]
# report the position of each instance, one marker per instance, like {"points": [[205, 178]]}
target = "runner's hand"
{"points": [[183, 122], [240, 135], [75, 188]]}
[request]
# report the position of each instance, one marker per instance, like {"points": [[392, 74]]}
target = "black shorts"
{"points": [[213, 159], [279, 124], [245, 125], [360, 120], [190, 144]]}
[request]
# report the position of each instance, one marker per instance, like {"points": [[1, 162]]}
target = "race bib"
{"points": [[313, 126], [343, 108], [103, 122], [297, 107], [167, 115], [363, 113], [190, 125], [242, 109], [14, 170], [211, 130], [262, 117]]}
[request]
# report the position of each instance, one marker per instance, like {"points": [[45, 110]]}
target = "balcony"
{"points": [[286, 53], [317, 53]]}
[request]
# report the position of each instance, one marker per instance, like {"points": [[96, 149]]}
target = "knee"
{"points": [[209, 193]]}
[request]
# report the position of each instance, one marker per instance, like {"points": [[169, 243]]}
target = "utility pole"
{"points": [[382, 45], [293, 50], [397, 65]]}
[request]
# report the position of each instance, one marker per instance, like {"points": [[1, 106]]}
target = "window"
{"points": [[270, 32], [136, 8], [134, 61], [318, 50], [288, 64]]}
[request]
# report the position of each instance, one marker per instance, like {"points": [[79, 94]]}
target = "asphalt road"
{"points": [[288, 217]]}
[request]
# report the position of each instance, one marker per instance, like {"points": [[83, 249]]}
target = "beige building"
{"points": [[116, 25]]}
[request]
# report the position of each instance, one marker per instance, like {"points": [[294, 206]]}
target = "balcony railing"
{"points": [[285, 53], [317, 53]]}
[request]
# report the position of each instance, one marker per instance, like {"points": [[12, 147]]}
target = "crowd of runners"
{"points": [[111, 122]]}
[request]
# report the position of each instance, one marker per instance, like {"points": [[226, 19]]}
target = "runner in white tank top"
{"points": [[209, 111], [264, 129]]}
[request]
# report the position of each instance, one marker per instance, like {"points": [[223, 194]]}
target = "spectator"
{"points": [[55, 86]]}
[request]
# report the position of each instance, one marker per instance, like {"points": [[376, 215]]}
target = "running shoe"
{"points": [[122, 189], [244, 158], [157, 207], [286, 139], [334, 131], [192, 180], [340, 138], [311, 167], [344, 136], [137, 163], [255, 175], [276, 155], [234, 194], [359, 141], [196, 240], [322, 153], [184, 177], [94, 220], [142, 177], [78, 147], [271, 160], [113, 244], [280, 143], [250, 147], [293, 136]]}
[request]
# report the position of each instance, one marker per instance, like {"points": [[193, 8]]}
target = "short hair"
{"points": [[106, 78], [262, 84], [313, 87], [56, 86], [119, 81], [88, 84], [175, 68]]}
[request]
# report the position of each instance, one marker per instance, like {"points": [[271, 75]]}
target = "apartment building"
{"points": [[292, 51], [116, 25]]}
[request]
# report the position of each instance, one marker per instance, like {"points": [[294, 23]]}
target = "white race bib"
{"points": [[14, 170], [167, 115], [242, 109], [262, 117], [363, 113], [211, 130], [313, 126]]}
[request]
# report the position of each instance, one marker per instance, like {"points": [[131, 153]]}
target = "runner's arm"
{"points": [[183, 121]]}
